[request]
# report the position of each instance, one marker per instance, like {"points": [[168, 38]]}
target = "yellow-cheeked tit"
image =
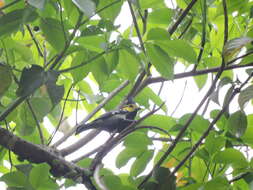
{"points": [[113, 121]]}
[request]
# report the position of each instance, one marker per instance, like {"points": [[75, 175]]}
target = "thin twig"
{"points": [[61, 117], [11, 107], [34, 40], [9, 4], [192, 74], [67, 44], [186, 28], [225, 12], [203, 37], [186, 125], [241, 176], [136, 26], [62, 24], [36, 121], [181, 17], [98, 11], [179, 102], [86, 62], [205, 134]]}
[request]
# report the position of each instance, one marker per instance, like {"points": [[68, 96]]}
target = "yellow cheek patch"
{"points": [[1, 3], [130, 107]]}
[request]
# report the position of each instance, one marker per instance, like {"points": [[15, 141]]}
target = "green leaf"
{"points": [[165, 181], [37, 3], [39, 175], [230, 156], [24, 168], [137, 140], [93, 43], [100, 71], [161, 61], [162, 121], [53, 32], [217, 183], [125, 155], [178, 48], [141, 163], [55, 91], [80, 73], [112, 181], [248, 135], [160, 16], [201, 80], [237, 123], [245, 96], [199, 124], [112, 11], [148, 94], [88, 7], [5, 79], [234, 46], [144, 4], [31, 79], [157, 34], [12, 21], [25, 120], [198, 169], [41, 107], [214, 143], [22, 49], [128, 64], [15, 179], [112, 60]]}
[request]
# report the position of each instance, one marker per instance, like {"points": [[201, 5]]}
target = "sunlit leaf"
{"points": [[88, 7], [37, 3], [178, 48], [141, 162], [230, 156], [5, 79], [31, 79], [161, 60], [12, 21], [234, 46], [245, 96], [237, 123], [52, 29]]}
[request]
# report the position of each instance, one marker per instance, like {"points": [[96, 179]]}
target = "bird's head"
{"points": [[130, 107]]}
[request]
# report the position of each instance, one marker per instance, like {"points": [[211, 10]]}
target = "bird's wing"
{"points": [[110, 114]]}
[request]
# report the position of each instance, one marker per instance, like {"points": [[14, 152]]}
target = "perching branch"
{"points": [[38, 154], [101, 105], [111, 143]]}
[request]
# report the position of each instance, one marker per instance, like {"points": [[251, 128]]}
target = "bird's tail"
{"points": [[84, 127]]}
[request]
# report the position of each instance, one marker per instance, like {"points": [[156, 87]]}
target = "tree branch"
{"points": [[39, 154], [181, 17], [195, 146], [101, 105]]}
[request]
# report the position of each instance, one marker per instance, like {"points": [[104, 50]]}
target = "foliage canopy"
{"points": [[58, 57]]}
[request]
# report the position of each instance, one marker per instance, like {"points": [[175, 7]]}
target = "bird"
{"points": [[113, 121]]}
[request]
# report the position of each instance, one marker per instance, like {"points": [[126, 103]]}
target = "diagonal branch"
{"points": [[195, 146], [73, 147], [38, 154], [181, 17]]}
